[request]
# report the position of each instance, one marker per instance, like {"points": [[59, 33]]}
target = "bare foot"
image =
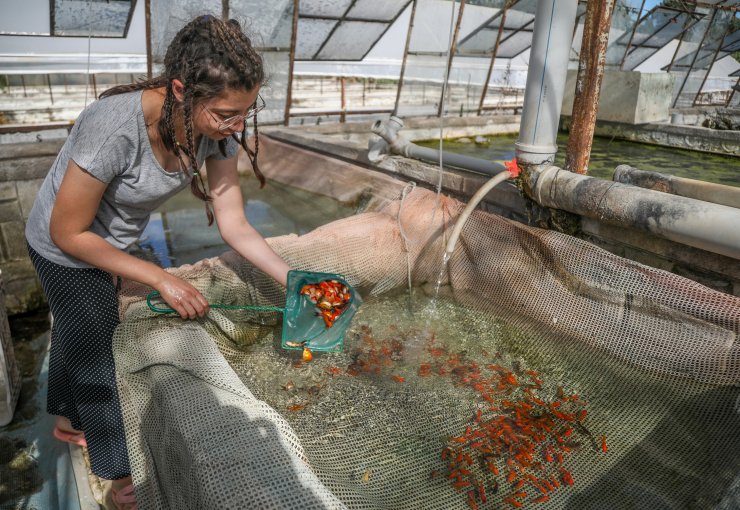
{"points": [[65, 425], [121, 496]]}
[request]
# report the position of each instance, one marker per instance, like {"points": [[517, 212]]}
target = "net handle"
{"points": [[159, 309]]}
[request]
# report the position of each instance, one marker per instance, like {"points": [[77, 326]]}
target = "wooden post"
{"points": [[493, 56], [405, 57], [48, 82], [293, 37], [588, 84], [343, 115], [148, 27]]}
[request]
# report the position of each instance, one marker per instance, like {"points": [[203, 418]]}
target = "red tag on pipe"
{"points": [[512, 167]]}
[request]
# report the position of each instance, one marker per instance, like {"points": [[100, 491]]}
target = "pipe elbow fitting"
{"points": [[388, 131]]}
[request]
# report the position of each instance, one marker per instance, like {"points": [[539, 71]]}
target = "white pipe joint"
{"points": [[388, 131]]}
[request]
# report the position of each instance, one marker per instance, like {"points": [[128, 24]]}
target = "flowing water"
{"points": [[607, 154]]}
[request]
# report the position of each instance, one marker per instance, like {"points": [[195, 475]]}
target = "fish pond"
{"points": [[607, 154], [434, 405]]}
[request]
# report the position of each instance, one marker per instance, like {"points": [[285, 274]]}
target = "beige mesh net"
{"points": [[535, 370]]}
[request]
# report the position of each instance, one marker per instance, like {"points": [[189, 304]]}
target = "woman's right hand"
{"points": [[182, 297]]}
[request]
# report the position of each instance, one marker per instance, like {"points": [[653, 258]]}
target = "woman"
{"points": [[127, 153]]}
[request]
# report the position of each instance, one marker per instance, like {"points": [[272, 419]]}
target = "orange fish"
{"points": [[307, 355]]}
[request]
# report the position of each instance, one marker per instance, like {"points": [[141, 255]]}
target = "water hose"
{"points": [[512, 171]]}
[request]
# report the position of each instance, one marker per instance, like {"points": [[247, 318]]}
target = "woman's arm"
{"points": [[74, 211], [228, 206]]}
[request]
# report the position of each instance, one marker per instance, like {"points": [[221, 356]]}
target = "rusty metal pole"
{"points": [[343, 115], [453, 49], [501, 24], [405, 56], [293, 38], [148, 27], [588, 84], [224, 9]]}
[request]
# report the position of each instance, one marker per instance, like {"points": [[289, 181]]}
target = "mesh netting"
{"points": [[534, 369]]}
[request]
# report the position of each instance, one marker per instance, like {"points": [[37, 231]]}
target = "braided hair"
{"points": [[209, 56]]}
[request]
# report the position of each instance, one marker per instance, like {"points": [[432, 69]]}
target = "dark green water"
{"points": [[178, 233], [607, 154]]}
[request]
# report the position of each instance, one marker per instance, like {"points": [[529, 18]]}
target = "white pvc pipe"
{"points": [[704, 225], [547, 71]]}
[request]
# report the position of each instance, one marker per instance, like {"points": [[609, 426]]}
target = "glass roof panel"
{"points": [[521, 14], [372, 9], [637, 56], [431, 32], [329, 8], [351, 40], [96, 18], [311, 35], [657, 28], [480, 42], [268, 24], [515, 44], [717, 28], [167, 18], [732, 42]]}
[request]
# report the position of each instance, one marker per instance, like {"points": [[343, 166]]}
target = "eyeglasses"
{"points": [[229, 123]]}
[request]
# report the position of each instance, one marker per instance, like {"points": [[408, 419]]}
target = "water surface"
{"points": [[178, 233]]}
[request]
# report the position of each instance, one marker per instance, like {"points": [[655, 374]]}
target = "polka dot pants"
{"points": [[82, 383]]}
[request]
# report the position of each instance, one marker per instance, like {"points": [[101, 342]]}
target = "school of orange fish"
{"points": [[518, 440]]}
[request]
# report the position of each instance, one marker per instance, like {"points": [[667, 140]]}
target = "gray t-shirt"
{"points": [[109, 141]]}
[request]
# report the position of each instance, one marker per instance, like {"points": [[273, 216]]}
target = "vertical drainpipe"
{"points": [[588, 84], [548, 67]]}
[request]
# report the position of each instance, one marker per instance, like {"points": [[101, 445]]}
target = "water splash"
{"points": [[432, 308]]}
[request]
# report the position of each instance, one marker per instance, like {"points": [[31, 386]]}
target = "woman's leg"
{"points": [[84, 304]]}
